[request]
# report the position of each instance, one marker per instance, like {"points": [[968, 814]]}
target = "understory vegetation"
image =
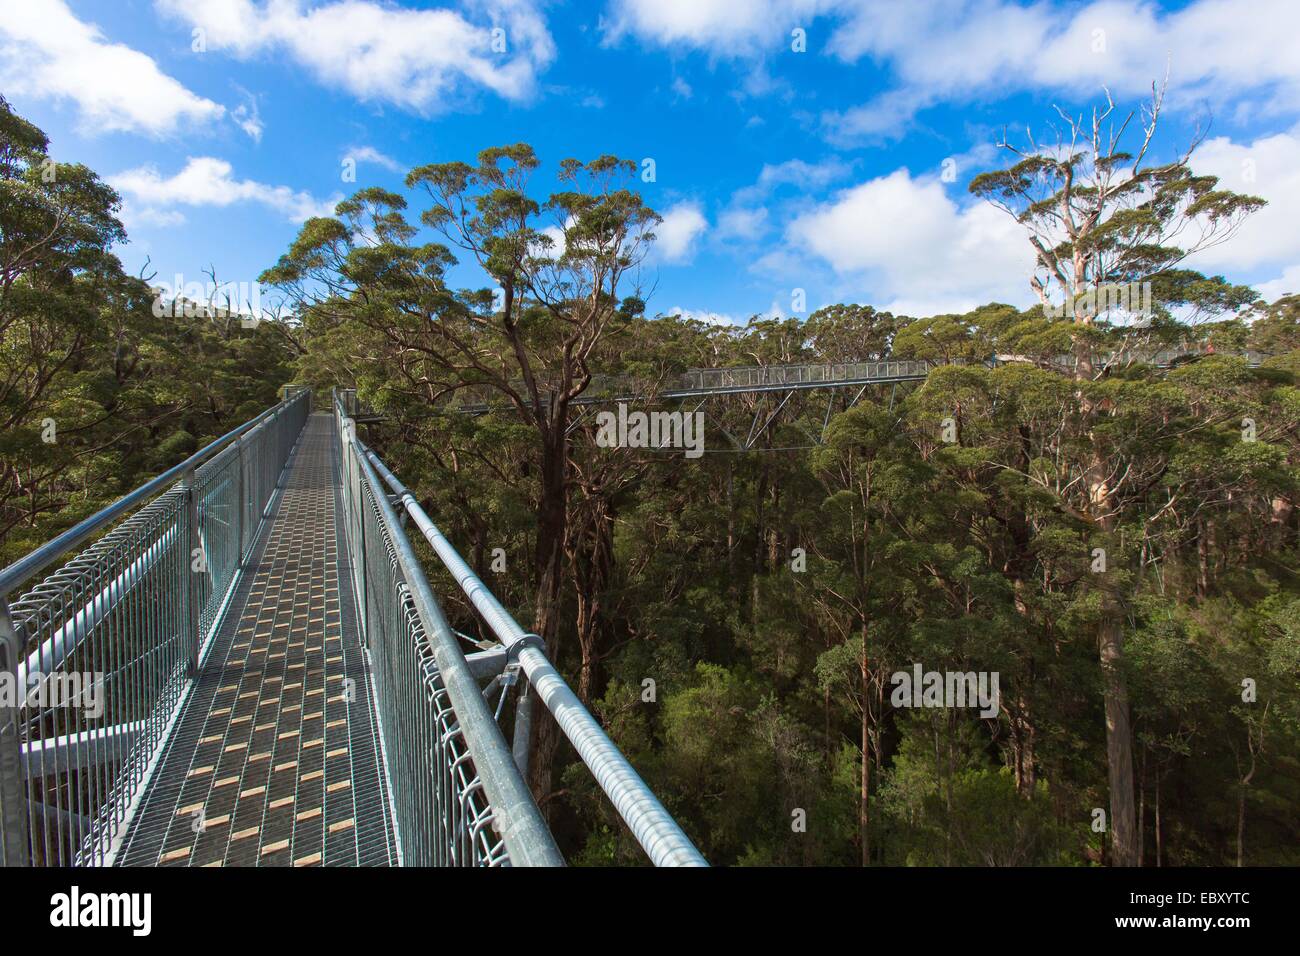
{"points": [[771, 595]]}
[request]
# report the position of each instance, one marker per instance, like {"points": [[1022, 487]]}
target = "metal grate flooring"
{"points": [[274, 760]]}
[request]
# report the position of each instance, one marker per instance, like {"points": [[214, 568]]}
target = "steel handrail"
{"points": [[527, 838], [654, 828], [128, 615]]}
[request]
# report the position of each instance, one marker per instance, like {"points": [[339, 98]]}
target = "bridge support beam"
{"points": [[523, 728], [80, 751], [489, 663]]}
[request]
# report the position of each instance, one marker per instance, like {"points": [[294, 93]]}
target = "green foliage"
{"points": [[98, 393], [735, 621]]}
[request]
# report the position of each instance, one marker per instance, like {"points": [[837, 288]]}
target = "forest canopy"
{"points": [[1114, 537]]}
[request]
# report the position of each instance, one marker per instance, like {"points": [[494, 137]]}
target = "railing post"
{"points": [[356, 501], [276, 430], [191, 584], [239, 456], [13, 812]]}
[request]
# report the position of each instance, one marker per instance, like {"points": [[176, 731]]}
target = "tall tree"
{"points": [[560, 267], [1101, 218]]}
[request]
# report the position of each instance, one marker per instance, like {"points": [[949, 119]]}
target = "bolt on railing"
{"points": [[101, 652]]}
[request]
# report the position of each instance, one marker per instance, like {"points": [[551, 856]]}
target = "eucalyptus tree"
{"points": [[561, 273], [1276, 328], [96, 390], [56, 222], [861, 547], [850, 333], [1104, 220]]}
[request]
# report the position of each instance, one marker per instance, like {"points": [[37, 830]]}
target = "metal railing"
{"points": [[518, 652], [458, 799], [714, 380], [99, 655], [606, 389]]}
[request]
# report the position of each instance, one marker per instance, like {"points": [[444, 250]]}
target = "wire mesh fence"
{"points": [[458, 799], [777, 376], [435, 730], [100, 652]]}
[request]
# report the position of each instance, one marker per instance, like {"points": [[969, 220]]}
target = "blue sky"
{"points": [[776, 168]]}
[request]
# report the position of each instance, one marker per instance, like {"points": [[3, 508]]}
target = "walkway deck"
{"points": [[275, 757]]}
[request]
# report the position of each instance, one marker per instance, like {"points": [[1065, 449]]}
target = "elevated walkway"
{"points": [[263, 677], [275, 756]]}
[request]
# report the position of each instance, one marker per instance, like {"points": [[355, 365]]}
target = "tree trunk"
{"points": [[1241, 802], [1281, 510], [1110, 645], [552, 520], [864, 803], [1241, 826], [1160, 842], [731, 529], [1202, 560], [588, 615], [1142, 810], [592, 566], [1019, 566], [1119, 737], [552, 523], [1022, 745]]}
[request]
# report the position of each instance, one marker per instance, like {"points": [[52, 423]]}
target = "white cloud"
{"points": [[961, 50], [805, 176], [1269, 167], [418, 59], [774, 311], [207, 181], [741, 223], [248, 117], [559, 242], [965, 165], [748, 213], [368, 154], [134, 215], [724, 27], [913, 249], [675, 236], [45, 51], [704, 315], [885, 117], [1212, 50], [782, 262], [1288, 283], [916, 251]]}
